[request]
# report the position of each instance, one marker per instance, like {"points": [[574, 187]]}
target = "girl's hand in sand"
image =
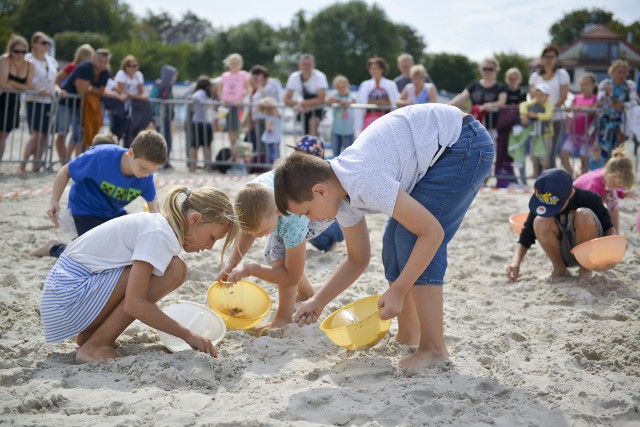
{"points": [[54, 212], [307, 313], [513, 272], [202, 344], [390, 304]]}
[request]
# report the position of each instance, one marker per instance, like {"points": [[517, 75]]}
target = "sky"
{"points": [[476, 29]]}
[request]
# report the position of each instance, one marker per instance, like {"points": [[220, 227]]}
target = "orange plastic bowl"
{"points": [[602, 253], [517, 221]]}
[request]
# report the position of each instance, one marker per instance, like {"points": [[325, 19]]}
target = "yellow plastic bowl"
{"points": [[517, 221], [356, 325], [241, 305], [602, 253]]}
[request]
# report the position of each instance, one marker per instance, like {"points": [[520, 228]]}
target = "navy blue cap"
{"points": [[551, 191], [310, 144]]}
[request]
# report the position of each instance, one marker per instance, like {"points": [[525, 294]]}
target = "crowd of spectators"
{"points": [[556, 125]]}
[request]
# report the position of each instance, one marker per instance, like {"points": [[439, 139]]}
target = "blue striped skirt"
{"points": [[73, 296]]}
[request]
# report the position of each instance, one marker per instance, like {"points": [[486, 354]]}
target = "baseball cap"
{"points": [[551, 191], [544, 88], [311, 145]]}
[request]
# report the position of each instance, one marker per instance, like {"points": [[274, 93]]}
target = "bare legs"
{"points": [[287, 297], [97, 340], [422, 322], [548, 235], [35, 147]]}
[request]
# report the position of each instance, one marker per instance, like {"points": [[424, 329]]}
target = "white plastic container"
{"points": [[198, 319]]}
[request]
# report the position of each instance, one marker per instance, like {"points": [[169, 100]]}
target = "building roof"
{"points": [[591, 33]]}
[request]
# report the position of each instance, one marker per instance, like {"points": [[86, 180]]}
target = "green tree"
{"points": [[68, 41], [255, 40], [207, 58], [451, 72], [8, 9], [572, 24], [343, 36], [290, 41], [151, 55], [110, 17], [409, 42], [513, 60]]}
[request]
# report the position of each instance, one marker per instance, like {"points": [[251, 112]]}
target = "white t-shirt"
{"points": [[121, 241], [392, 153], [44, 77], [317, 81], [561, 77], [202, 107], [130, 83]]}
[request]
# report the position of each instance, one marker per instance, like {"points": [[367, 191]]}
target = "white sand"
{"points": [[530, 353]]}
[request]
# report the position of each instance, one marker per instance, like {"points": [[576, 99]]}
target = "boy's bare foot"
{"points": [[421, 359], [89, 353], [583, 275], [44, 249], [559, 274]]}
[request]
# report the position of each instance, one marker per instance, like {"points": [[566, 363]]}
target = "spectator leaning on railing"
{"points": [[558, 80], [305, 92], [16, 73], [88, 79], [63, 119], [39, 106]]}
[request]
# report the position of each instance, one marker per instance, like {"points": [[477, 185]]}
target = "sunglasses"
{"points": [[548, 57], [45, 42], [19, 52], [488, 69]]}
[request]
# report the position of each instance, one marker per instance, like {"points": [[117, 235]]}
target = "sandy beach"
{"points": [[531, 353]]}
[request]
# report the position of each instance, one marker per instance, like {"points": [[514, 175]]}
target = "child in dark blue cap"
{"points": [[561, 217]]}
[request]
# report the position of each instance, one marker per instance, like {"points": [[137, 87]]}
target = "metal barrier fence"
{"points": [[198, 133]]}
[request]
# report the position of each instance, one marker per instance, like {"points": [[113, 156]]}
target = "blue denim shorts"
{"points": [[446, 190]]}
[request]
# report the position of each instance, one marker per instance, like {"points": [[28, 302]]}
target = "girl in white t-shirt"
{"points": [[115, 273]]}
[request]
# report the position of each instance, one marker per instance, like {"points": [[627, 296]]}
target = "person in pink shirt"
{"points": [[233, 87], [610, 182], [580, 136]]}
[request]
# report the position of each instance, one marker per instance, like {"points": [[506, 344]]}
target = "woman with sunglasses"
{"points": [[15, 74], [130, 85], [558, 80], [39, 106], [486, 96]]}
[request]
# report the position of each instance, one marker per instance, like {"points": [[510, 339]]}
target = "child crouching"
{"points": [[116, 272]]}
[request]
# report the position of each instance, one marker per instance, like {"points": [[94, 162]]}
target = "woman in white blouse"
{"points": [[558, 80], [39, 106]]}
